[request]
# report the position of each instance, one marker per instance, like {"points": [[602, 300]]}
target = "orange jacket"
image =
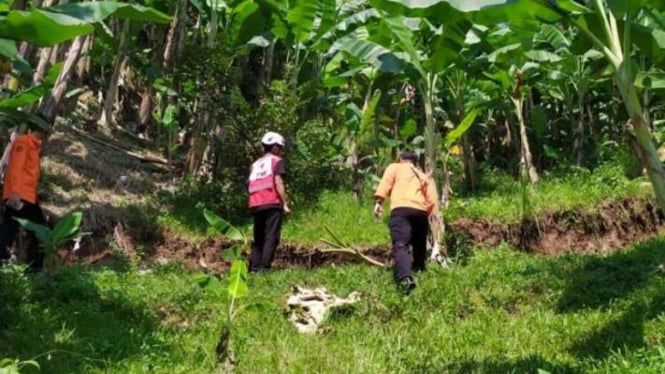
{"points": [[23, 169], [407, 187]]}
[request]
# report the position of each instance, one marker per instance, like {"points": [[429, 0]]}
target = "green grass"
{"points": [[496, 312], [341, 212], [500, 199]]}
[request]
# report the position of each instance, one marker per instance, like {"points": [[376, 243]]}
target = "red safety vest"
{"points": [[262, 189]]}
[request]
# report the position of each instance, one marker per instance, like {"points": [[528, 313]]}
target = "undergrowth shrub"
{"points": [[312, 163]]}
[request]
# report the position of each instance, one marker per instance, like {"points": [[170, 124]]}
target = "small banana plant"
{"points": [[53, 239], [237, 287]]}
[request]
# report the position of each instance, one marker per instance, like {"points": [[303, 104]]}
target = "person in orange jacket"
{"points": [[19, 194], [412, 200]]}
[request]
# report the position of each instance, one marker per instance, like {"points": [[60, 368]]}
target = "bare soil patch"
{"points": [[614, 225]]}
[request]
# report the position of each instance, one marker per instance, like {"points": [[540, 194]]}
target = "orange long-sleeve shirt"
{"points": [[23, 169], [407, 187]]}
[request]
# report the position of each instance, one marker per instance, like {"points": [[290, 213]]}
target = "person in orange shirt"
{"points": [[412, 201], [19, 193]]}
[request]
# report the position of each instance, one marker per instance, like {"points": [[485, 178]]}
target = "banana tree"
{"points": [[53, 25], [571, 79], [621, 30], [421, 51], [515, 67]]}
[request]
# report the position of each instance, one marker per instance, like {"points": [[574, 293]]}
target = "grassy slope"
{"points": [[355, 222], [501, 311]]}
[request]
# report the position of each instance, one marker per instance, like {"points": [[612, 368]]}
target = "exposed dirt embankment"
{"points": [[613, 225], [207, 254]]}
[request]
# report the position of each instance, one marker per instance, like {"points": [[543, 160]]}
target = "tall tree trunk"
{"points": [[596, 131], [268, 63], [579, 133], [42, 65], [436, 224], [51, 102], [469, 160], [145, 109], [175, 35], [526, 157], [647, 150], [213, 25], [192, 160], [111, 99], [354, 156], [83, 66], [44, 55]]}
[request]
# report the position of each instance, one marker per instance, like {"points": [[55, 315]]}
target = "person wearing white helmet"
{"points": [[267, 201]]}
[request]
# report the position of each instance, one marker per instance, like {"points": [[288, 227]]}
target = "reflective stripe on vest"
{"points": [[262, 190]]}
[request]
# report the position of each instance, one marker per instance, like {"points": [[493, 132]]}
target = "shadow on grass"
{"points": [[529, 364], [630, 278], [66, 321]]}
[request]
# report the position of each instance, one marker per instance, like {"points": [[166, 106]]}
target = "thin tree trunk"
{"points": [[354, 157], [44, 55], [192, 159], [579, 138], [145, 110], [469, 161], [174, 37], [268, 63], [42, 65], [83, 66], [436, 224], [593, 124], [111, 99], [526, 157], [213, 25], [51, 102]]}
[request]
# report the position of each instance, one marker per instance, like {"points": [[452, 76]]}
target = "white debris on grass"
{"points": [[308, 307]]}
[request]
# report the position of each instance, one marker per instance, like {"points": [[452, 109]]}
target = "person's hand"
{"points": [[287, 209], [14, 201], [378, 210]]}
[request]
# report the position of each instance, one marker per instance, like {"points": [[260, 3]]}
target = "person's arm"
{"points": [[16, 162], [280, 170], [384, 189], [281, 191]]}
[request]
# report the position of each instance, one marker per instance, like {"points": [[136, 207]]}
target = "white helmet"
{"points": [[271, 138]]}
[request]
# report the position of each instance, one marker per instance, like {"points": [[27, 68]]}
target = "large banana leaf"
{"points": [[50, 26], [301, 18], [369, 52], [490, 12]]}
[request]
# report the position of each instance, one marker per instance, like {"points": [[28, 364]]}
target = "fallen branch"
{"points": [[353, 251], [341, 247], [150, 159]]}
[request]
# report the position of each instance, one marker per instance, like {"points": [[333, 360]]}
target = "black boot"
{"points": [[407, 285]]}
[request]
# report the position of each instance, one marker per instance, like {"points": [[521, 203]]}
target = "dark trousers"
{"points": [[267, 227], [10, 227], [408, 227]]}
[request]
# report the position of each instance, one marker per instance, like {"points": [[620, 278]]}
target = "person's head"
{"points": [[408, 156], [273, 142]]}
